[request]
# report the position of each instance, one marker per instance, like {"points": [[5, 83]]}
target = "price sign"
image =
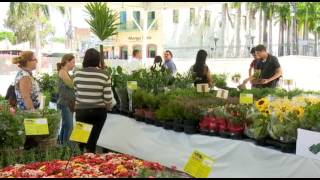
{"points": [[81, 132], [202, 87], [36, 126], [246, 98], [222, 93], [199, 165], [133, 85]]}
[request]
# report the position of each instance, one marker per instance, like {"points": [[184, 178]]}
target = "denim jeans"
{"points": [[67, 124]]}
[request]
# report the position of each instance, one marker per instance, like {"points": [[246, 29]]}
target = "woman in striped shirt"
{"points": [[93, 96]]}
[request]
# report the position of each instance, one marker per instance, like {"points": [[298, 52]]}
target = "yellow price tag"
{"points": [[81, 132], [202, 88], [246, 98], [36, 126], [199, 165], [133, 85]]}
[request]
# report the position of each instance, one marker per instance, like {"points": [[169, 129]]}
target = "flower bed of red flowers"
{"points": [[110, 165]]}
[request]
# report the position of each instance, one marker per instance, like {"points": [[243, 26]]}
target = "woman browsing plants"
{"points": [[66, 96]]}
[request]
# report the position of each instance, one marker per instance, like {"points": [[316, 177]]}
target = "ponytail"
{"points": [[59, 66]]}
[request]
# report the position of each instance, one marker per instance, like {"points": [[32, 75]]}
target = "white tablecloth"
{"points": [[234, 158]]}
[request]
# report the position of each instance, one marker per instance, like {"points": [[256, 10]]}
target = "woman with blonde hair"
{"points": [[26, 87], [66, 96]]}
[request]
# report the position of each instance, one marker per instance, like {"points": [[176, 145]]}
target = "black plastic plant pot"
{"points": [[168, 125], [190, 129], [149, 121], [224, 134], [236, 135], [190, 123], [139, 118], [204, 131], [177, 125], [158, 123]]}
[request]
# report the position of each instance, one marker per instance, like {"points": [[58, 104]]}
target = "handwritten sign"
{"points": [[308, 144], [222, 93], [199, 165], [81, 132], [36, 126], [202, 87]]}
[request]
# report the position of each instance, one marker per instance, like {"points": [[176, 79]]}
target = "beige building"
{"points": [[130, 36]]}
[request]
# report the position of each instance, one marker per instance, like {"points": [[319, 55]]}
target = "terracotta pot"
{"points": [[139, 112]]}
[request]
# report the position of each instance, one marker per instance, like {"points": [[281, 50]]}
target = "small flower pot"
{"points": [[139, 114], [235, 129], [178, 125], [158, 123], [149, 116], [168, 125]]}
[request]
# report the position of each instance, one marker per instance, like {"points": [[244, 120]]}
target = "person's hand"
{"points": [[264, 81]]}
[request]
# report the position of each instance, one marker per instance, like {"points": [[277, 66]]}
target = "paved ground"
{"points": [[304, 70]]}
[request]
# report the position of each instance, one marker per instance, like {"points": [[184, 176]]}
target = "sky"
{"points": [[57, 20]]}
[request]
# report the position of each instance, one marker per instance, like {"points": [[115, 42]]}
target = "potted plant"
{"points": [[285, 120], [120, 83], [152, 103], [191, 117], [311, 117], [221, 116], [237, 118], [53, 119], [139, 104], [103, 23], [207, 124], [11, 129], [236, 78]]}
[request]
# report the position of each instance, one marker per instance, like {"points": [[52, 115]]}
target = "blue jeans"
{"points": [[67, 124]]}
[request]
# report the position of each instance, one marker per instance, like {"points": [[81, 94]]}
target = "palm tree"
{"points": [[103, 22], [282, 11], [38, 10]]}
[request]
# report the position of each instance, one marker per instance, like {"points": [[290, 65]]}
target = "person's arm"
{"points": [[66, 79], [25, 86], [108, 95], [275, 76], [250, 71]]}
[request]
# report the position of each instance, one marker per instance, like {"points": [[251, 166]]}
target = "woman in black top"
{"points": [[201, 72]]}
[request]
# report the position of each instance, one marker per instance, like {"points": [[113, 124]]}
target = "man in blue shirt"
{"points": [[169, 64]]}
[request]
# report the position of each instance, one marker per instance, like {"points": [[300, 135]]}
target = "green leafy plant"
{"points": [[311, 117], [256, 124], [102, 22], [11, 129], [220, 80]]}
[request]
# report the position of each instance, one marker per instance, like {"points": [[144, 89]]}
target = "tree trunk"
{"points": [[281, 38], [305, 33], [270, 35], [315, 44], [38, 41], [102, 56], [288, 39], [238, 40], [265, 25], [223, 28], [260, 26]]}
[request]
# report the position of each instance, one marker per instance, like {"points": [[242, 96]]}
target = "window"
{"points": [[207, 18], [192, 16], [123, 20], [151, 17], [136, 16], [175, 16]]}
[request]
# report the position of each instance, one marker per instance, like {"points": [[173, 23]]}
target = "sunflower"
{"points": [[262, 104], [299, 112]]}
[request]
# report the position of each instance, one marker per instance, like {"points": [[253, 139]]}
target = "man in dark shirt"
{"points": [[270, 68]]}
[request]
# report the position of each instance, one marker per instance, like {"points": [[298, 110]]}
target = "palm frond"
{"points": [[102, 20]]}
